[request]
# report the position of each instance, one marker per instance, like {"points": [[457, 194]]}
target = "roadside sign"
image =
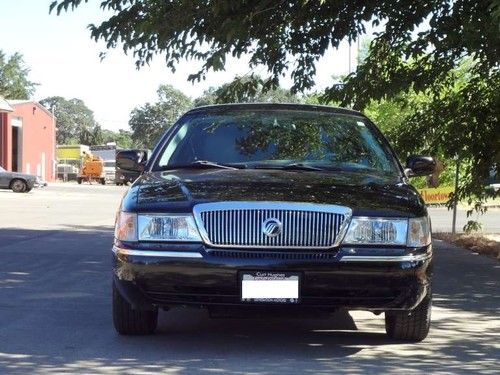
{"points": [[436, 195]]}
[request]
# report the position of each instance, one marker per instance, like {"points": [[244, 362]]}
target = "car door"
{"points": [[4, 179]]}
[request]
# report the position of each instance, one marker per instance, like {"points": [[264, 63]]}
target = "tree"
{"points": [[458, 121], [74, 120], [290, 36], [246, 89], [461, 123], [122, 138], [150, 121], [14, 82], [418, 47]]}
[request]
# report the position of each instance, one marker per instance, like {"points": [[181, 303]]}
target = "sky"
{"points": [[65, 62]]}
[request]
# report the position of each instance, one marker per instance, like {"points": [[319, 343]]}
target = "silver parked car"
{"points": [[18, 182]]}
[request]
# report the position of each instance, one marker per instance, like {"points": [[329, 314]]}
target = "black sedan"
{"points": [[17, 182], [262, 207]]}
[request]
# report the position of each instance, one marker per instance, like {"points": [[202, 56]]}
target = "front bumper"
{"points": [[353, 278]]}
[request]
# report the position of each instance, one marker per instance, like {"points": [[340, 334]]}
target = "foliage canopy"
{"points": [[290, 36], [419, 46], [246, 89], [150, 121], [75, 121], [14, 82]]}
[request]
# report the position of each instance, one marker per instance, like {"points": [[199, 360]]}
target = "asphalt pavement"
{"points": [[442, 219], [55, 309]]}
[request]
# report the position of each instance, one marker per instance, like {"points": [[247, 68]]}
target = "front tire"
{"points": [[18, 186], [411, 325], [129, 321]]}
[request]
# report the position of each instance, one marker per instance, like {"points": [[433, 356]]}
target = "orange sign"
{"points": [[436, 195]]}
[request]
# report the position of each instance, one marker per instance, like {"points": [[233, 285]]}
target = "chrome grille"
{"points": [[240, 224]]}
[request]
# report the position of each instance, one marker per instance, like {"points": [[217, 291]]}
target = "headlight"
{"points": [[161, 227], [419, 232], [126, 226], [376, 231], [413, 232]]}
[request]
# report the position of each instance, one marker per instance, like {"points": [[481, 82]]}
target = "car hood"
{"points": [[366, 194]]}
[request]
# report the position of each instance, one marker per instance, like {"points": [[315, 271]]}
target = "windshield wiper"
{"points": [[203, 164], [301, 167], [290, 167]]}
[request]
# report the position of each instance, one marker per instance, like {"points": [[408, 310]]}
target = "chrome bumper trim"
{"points": [[346, 258], [385, 258], [149, 253]]}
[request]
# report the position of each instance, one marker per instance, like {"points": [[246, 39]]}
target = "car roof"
{"points": [[275, 106]]}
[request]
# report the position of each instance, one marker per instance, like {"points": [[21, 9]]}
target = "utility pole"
{"points": [[349, 56], [54, 151], [455, 201]]}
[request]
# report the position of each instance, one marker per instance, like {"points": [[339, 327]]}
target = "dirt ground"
{"points": [[484, 244]]}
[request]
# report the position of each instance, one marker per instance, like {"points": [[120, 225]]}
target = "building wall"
{"points": [[5, 144], [38, 139]]}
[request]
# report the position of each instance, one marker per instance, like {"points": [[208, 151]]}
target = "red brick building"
{"points": [[28, 139]]}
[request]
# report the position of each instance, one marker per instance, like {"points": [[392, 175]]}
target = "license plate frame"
{"points": [[281, 287]]}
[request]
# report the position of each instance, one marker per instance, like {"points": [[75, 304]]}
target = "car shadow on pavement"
{"points": [[55, 314], [466, 281]]}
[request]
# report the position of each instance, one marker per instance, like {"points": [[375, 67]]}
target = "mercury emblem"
{"points": [[272, 227]]}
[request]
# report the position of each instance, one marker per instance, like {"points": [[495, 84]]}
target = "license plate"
{"points": [[270, 287]]}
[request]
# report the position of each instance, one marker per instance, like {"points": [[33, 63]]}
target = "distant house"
{"points": [[27, 138]]}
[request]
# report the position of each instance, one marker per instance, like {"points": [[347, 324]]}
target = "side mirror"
{"points": [[132, 160], [417, 165]]}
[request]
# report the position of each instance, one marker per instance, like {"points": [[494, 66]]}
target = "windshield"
{"points": [[277, 138], [2, 170]]}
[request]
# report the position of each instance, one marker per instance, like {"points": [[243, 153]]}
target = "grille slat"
{"points": [[240, 224], [242, 254]]}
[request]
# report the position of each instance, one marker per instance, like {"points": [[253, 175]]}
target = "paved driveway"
{"points": [[55, 312]]}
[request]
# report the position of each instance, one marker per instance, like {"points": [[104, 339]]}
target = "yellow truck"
{"points": [[69, 161]]}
